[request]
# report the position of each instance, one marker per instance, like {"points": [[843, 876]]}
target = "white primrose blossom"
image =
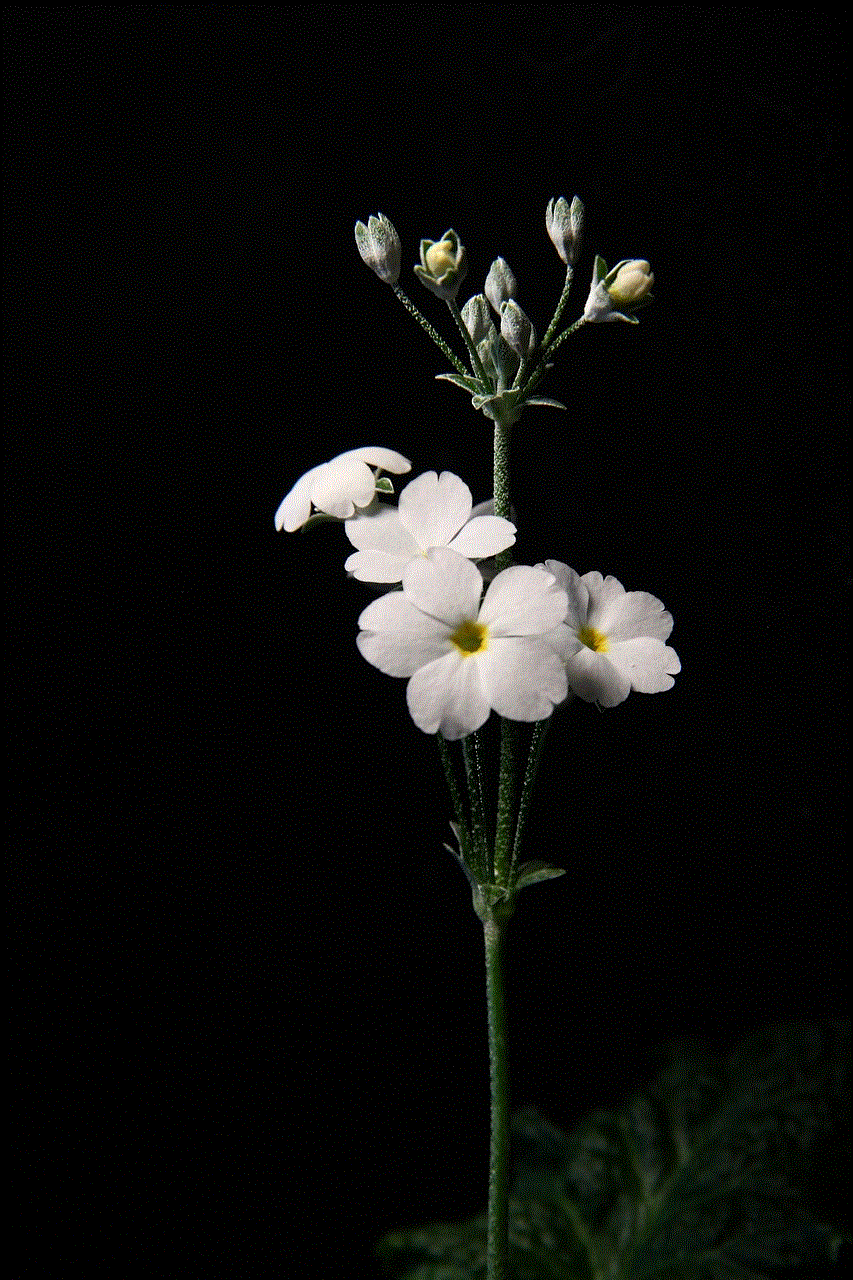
{"points": [[433, 511], [338, 487], [612, 640], [463, 658]]}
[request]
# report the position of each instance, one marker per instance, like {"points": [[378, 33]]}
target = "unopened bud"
{"points": [[500, 284], [379, 246], [564, 222]]}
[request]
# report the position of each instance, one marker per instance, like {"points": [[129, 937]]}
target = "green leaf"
{"points": [[471, 385], [703, 1175], [554, 404], [534, 872]]}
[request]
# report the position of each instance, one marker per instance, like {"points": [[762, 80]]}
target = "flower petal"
{"points": [[522, 601], [397, 638], [381, 531], [636, 613], [343, 484], [376, 566], [385, 459], [295, 508], [433, 508], [564, 641], [592, 677], [524, 678], [444, 585], [484, 536], [447, 696], [647, 662], [576, 590]]}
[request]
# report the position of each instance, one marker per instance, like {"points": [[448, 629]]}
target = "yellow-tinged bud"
{"points": [[632, 282], [443, 265]]}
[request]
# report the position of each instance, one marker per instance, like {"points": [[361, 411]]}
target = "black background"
{"points": [[251, 1032]]}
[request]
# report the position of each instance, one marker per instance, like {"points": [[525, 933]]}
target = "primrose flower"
{"points": [[465, 659], [627, 286], [379, 246], [443, 265], [339, 486], [433, 511], [612, 640]]}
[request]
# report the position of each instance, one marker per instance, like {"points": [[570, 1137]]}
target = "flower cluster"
{"points": [[517, 646]]}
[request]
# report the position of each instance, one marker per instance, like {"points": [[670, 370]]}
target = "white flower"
{"points": [[465, 659], [612, 640], [339, 486], [434, 511]]}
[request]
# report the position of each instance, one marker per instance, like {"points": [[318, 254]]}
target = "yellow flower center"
{"points": [[594, 639], [470, 637], [439, 258]]}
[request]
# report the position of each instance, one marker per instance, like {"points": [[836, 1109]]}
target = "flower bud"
{"points": [[500, 284], [477, 318], [563, 222], [379, 246], [443, 265], [632, 281], [627, 286], [516, 330]]}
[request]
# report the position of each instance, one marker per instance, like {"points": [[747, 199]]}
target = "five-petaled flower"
{"points": [[433, 511], [465, 658], [612, 640], [338, 487]]}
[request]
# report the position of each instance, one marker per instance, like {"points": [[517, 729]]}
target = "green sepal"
{"points": [[319, 517], [384, 485], [534, 872]]}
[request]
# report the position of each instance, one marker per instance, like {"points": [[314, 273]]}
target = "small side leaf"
{"points": [[533, 872], [471, 385]]}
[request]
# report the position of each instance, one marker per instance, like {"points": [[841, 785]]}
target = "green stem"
{"points": [[476, 362], [538, 373], [456, 800], [433, 333], [500, 482], [564, 297], [473, 773], [537, 742], [506, 801], [497, 1241]]}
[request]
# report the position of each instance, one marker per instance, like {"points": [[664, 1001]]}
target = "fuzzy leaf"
{"points": [[534, 872]]}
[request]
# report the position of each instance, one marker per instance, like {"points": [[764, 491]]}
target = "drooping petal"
{"points": [[522, 601], [444, 585], [646, 662], [376, 566], [576, 590], [433, 508], [343, 484], [524, 678], [484, 536], [397, 638], [447, 696], [592, 677], [385, 459], [295, 508], [636, 613]]}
